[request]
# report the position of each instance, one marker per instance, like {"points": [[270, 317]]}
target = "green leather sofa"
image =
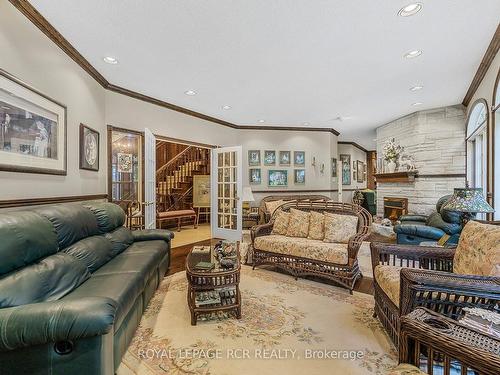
{"points": [[73, 286]]}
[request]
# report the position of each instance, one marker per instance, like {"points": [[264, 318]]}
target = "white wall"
{"points": [[356, 154], [29, 55]]}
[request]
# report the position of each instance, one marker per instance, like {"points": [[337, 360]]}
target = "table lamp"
{"points": [[247, 197], [468, 201]]}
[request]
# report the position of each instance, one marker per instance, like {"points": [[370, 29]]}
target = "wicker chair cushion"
{"points": [[406, 369], [298, 225], [316, 226], [271, 206], [388, 279], [339, 228], [280, 225], [303, 247], [478, 250]]}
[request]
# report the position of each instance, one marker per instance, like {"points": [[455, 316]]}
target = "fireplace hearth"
{"points": [[395, 207]]}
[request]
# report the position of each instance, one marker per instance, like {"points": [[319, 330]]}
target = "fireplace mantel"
{"points": [[401, 177]]}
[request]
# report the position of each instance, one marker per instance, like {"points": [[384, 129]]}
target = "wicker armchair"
{"points": [[424, 277], [265, 215], [343, 274]]}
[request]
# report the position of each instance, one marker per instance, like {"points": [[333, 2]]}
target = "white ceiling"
{"points": [[285, 61]]}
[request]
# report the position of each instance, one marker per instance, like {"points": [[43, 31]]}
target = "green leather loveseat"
{"points": [[73, 286]]}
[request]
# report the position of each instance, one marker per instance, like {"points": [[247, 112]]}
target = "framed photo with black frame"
{"points": [[89, 148]]}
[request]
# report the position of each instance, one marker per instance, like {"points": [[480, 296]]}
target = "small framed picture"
{"points": [[299, 158], [253, 158], [277, 178], [285, 157], [299, 176], [334, 167], [89, 148], [269, 157], [255, 176], [360, 171]]}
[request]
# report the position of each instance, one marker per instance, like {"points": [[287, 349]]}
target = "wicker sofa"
{"points": [[443, 280], [304, 256], [265, 213]]}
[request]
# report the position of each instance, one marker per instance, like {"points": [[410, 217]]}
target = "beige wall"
{"points": [[356, 154]]}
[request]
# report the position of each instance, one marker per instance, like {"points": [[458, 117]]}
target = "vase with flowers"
{"points": [[391, 152]]}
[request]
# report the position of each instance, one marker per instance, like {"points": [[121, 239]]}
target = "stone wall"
{"points": [[436, 140]]}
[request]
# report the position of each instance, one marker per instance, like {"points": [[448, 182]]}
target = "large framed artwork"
{"points": [[253, 158], [277, 177], [32, 129], [89, 148], [299, 176], [299, 158], [255, 176], [285, 158], [201, 190], [334, 167], [269, 157], [345, 161], [360, 171]]}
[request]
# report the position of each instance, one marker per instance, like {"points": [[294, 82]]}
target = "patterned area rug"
{"points": [[288, 326]]}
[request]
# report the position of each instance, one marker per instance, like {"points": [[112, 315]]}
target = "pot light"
{"points": [[410, 10], [5, 107], [226, 107], [417, 103], [306, 124], [110, 60], [412, 54], [190, 92], [262, 121], [416, 88]]}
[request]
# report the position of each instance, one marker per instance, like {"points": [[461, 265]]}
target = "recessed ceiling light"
{"points": [[190, 92], [306, 124], [416, 88], [410, 10], [262, 121], [412, 54], [226, 107], [5, 107], [110, 60], [417, 103]]}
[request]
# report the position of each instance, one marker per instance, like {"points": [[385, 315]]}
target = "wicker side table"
{"points": [[453, 347]]}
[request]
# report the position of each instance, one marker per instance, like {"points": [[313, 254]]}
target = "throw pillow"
{"points": [[339, 228], [273, 205], [299, 223], [280, 225], [316, 226], [478, 250]]}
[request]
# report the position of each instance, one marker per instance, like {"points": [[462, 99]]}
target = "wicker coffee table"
{"points": [[210, 284]]}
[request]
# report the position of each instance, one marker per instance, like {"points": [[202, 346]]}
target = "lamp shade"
{"points": [[247, 194], [468, 200]]}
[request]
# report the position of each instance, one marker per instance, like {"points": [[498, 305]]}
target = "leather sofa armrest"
{"points": [[152, 234], [420, 231], [47, 322], [420, 218]]}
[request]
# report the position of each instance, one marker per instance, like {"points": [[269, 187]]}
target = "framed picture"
{"points": [[253, 158], [299, 158], [201, 190], [299, 176], [124, 162], [32, 129], [334, 167], [365, 171], [285, 158], [277, 178], [345, 161], [269, 157], [360, 171], [255, 176], [89, 148]]}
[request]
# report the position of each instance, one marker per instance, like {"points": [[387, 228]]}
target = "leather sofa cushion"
{"points": [[72, 222], [47, 280], [109, 215], [93, 251], [24, 238], [120, 239], [435, 220]]}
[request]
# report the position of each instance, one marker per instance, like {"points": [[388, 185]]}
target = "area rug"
{"points": [[288, 326]]}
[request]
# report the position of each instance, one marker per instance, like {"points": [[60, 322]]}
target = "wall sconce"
{"points": [[313, 161], [322, 168]]}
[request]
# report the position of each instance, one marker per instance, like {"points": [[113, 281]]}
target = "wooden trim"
{"points": [[109, 148], [81, 151], [495, 108], [9, 203], [353, 144], [401, 177], [50, 31], [181, 141], [483, 67]]}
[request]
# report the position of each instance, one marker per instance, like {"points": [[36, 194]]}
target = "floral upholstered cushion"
{"points": [[304, 248], [406, 369], [316, 226], [273, 205], [280, 225], [388, 279], [339, 228], [299, 223], [478, 250]]}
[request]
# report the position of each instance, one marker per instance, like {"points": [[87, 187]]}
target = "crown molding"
{"points": [[483, 67], [353, 144], [50, 31]]}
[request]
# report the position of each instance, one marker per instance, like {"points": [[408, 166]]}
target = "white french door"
{"points": [[149, 179], [226, 175]]}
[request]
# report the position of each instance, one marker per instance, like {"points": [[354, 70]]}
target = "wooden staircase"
{"points": [[174, 179]]}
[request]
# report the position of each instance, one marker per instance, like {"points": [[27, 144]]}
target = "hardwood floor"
{"points": [[178, 263]]}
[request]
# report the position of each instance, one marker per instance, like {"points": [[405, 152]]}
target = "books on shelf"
{"points": [[216, 297]]}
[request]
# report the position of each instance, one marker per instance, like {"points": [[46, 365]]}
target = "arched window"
{"points": [[496, 148], [477, 145]]}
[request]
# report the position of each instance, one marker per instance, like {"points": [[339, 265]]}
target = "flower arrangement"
{"points": [[391, 150]]}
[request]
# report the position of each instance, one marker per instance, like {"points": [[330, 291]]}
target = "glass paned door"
{"points": [[226, 204]]}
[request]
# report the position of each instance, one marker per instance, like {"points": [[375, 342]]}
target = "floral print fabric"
{"points": [[406, 369], [478, 250], [280, 225], [388, 279], [298, 225], [339, 228], [316, 226], [273, 205]]}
